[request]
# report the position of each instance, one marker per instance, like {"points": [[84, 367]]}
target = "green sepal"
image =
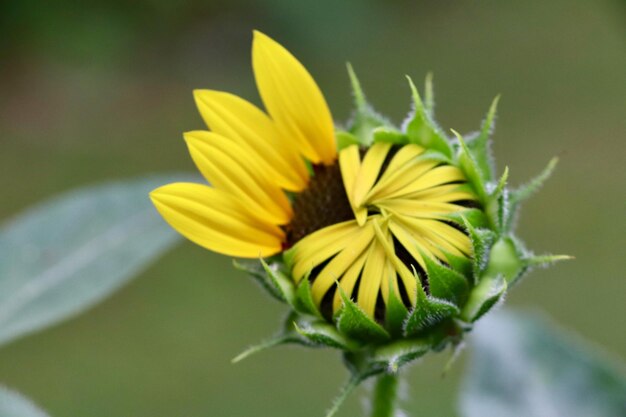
{"points": [[429, 95], [482, 240], [483, 297], [427, 313], [280, 339], [445, 283], [524, 192], [322, 333], [470, 168], [460, 264], [345, 139], [474, 216], [544, 260], [421, 128], [387, 135], [401, 352], [283, 285], [303, 301], [287, 335], [345, 391], [395, 314], [288, 258], [433, 155], [354, 323], [479, 147], [497, 205], [365, 119], [501, 184], [360, 364], [505, 260], [255, 269]]}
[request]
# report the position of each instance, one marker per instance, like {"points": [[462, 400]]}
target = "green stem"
{"points": [[384, 397]]}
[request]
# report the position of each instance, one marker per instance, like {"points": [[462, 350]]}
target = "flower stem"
{"points": [[384, 397]]}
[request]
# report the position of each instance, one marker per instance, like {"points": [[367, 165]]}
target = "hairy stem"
{"points": [[384, 397]]}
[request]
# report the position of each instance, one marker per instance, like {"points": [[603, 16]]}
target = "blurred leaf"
{"points": [[525, 367], [64, 255], [13, 404]]}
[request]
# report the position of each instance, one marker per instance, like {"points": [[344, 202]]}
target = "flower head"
{"points": [[372, 233]]}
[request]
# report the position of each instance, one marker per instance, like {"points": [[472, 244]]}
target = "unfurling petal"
{"points": [[293, 100], [230, 167], [216, 220], [239, 120]]}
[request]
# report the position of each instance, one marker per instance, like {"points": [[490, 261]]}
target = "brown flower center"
{"points": [[322, 204]]}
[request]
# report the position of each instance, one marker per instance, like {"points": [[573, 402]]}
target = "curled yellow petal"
{"points": [[371, 279], [349, 279], [293, 100], [216, 220], [341, 262], [350, 165], [322, 245], [370, 171]]}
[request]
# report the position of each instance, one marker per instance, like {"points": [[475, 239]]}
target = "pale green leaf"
{"points": [[68, 253], [13, 404], [524, 366]]}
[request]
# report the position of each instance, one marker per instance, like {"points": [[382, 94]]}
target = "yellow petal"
{"points": [[293, 100], [419, 208], [348, 280], [229, 167], [444, 194], [235, 118], [446, 232], [371, 279], [406, 154], [216, 220], [434, 177], [438, 235], [332, 272], [322, 245], [399, 181], [370, 170], [412, 243], [385, 240], [350, 164]]}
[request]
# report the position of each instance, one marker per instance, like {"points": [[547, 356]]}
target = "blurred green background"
{"points": [[103, 91]]}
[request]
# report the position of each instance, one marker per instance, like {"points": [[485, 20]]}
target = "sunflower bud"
{"points": [[385, 242]]}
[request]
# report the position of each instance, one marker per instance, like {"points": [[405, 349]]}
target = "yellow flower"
{"points": [[364, 219]]}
